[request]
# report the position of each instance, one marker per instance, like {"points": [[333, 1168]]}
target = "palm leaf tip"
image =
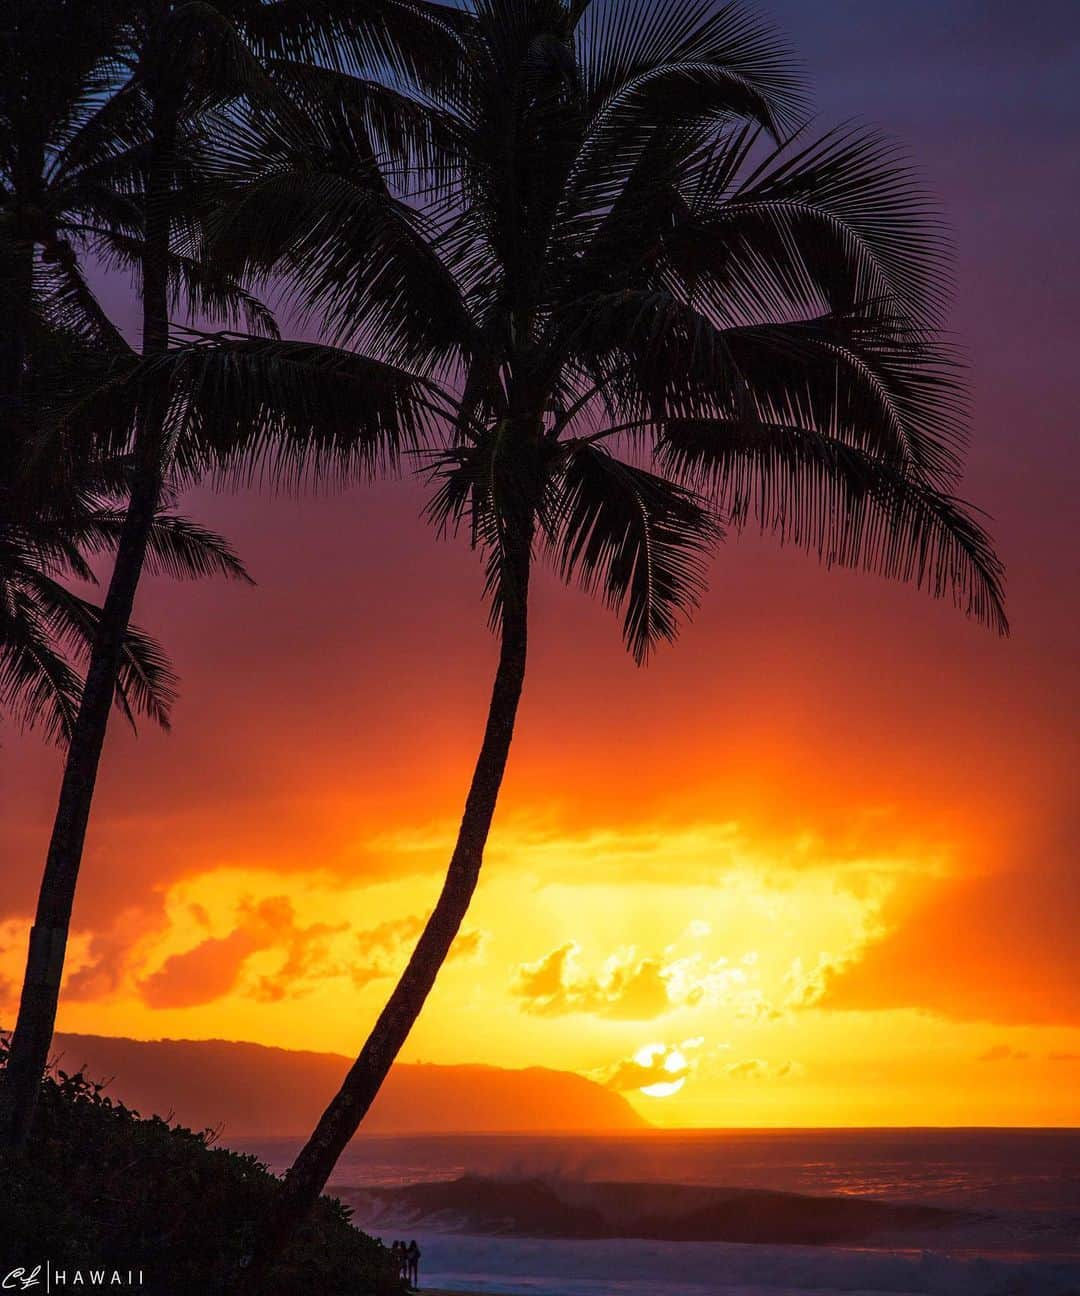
{"points": [[849, 506], [147, 682], [184, 549], [40, 685], [643, 540], [37, 685], [623, 42]]}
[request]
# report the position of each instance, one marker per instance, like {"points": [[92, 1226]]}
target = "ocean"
{"points": [[728, 1213]]}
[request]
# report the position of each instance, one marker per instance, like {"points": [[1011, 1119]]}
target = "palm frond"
{"points": [[287, 411], [848, 506], [621, 43], [178, 547], [38, 687], [307, 205], [146, 683], [639, 538], [836, 222]]}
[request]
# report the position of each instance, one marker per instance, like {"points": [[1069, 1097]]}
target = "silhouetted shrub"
{"points": [[101, 1187]]}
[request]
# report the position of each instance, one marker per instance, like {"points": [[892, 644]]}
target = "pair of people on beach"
{"points": [[408, 1259]]}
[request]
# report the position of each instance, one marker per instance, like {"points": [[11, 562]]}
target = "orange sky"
{"points": [[818, 859]]}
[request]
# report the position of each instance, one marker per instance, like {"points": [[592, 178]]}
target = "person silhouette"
{"points": [[400, 1258], [412, 1256]]}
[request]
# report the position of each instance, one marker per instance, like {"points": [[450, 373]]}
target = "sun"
{"points": [[664, 1088], [674, 1063]]}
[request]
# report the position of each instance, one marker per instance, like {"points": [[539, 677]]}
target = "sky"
{"points": [[814, 865]]}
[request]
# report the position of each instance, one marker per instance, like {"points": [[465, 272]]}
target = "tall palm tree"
{"points": [[82, 146], [659, 310], [110, 155]]}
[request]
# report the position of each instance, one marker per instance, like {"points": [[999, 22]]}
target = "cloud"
{"points": [[199, 975], [635, 987], [652, 1064], [807, 986], [114, 952], [997, 947], [748, 1069], [469, 946], [759, 1069], [307, 960], [384, 949], [214, 967], [861, 849], [631, 1074], [13, 943], [628, 987], [389, 935], [1003, 1053], [219, 965]]}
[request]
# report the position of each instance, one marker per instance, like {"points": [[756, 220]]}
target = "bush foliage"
{"points": [[101, 1187]]}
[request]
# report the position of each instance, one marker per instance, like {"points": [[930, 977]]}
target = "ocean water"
{"points": [[529, 1267], [730, 1213]]}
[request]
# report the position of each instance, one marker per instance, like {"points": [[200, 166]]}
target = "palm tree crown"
{"points": [[657, 308], [61, 501]]}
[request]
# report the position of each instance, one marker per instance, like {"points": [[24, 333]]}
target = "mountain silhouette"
{"points": [[251, 1090]]}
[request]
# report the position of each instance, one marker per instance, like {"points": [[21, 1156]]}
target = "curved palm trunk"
{"points": [[309, 1173], [33, 1033]]}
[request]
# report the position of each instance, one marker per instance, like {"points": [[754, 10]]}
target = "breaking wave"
{"points": [[543, 1207]]}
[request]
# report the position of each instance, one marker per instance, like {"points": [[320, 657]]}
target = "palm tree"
{"points": [[57, 513], [106, 152], [81, 147], [659, 310], [61, 504]]}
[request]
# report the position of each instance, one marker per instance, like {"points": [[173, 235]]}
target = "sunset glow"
{"points": [[813, 866], [761, 966]]}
